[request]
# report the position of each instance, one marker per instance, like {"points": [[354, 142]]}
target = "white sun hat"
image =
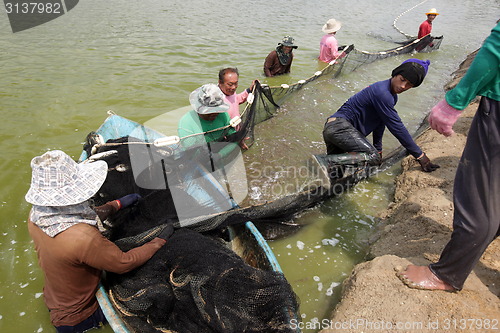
{"points": [[208, 99], [57, 180], [332, 25]]}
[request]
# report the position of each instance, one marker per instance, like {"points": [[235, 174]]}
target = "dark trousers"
{"points": [[96, 320], [476, 196], [341, 137]]}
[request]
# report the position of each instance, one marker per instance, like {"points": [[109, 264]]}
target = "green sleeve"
{"points": [[189, 125], [483, 76]]}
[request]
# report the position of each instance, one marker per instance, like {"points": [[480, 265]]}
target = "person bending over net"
{"points": [[370, 111], [71, 250]]}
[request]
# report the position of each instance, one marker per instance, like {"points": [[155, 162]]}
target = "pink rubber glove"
{"points": [[442, 118]]}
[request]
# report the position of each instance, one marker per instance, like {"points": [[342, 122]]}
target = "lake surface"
{"points": [[143, 58]]}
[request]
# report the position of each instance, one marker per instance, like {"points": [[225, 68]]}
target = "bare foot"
{"points": [[421, 277]]}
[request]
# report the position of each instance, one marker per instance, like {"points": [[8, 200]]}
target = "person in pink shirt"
{"points": [[328, 46], [426, 26], [228, 83]]}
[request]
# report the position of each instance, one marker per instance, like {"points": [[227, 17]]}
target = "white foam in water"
{"points": [[329, 291], [300, 245], [330, 241]]}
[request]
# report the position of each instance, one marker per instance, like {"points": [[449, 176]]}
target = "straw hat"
{"points": [[331, 25], [208, 99], [432, 11], [57, 180]]}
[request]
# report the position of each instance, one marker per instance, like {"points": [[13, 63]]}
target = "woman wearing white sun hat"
{"points": [[328, 46], [71, 251]]}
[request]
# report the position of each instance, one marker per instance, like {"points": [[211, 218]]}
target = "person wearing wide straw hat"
{"points": [[279, 61], [426, 26], [71, 250], [328, 46]]}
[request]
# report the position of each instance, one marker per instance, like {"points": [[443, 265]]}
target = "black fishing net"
{"points": [[196, 282], [173, 200], [357, 58], [269, 98]]}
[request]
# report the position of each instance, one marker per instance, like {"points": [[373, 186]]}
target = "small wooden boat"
{"points": [[245, 239]]}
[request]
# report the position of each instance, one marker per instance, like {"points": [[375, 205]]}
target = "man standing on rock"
{"points": [[476, 193]]}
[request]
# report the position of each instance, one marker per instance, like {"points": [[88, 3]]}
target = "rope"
{"points": [[403, 13]]}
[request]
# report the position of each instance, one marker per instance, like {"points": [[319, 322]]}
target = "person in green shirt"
{"points": [[205, 129], [209, 116], [476, 192]]}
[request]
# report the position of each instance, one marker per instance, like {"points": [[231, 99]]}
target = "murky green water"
{"points": [[143, 58]]}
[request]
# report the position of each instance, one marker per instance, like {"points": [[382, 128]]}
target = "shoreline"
{"points": [[413, 230]]}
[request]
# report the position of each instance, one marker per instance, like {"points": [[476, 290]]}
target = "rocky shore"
{"points": [[414, 230]]}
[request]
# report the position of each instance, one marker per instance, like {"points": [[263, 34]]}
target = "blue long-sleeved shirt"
{"points": [[372, 110]]}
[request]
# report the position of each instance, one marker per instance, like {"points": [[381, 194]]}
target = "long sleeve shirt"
{"points": [[372, 110], [192, 124], [328, 48], [272, 65], [483, 76], [72, 263], [234, 102]]}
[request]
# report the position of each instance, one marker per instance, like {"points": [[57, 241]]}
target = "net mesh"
{"points": [[358, 58], [195, 283]]}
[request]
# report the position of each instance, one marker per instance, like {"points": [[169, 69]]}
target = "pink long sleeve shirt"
{"points": [[328, 48]]}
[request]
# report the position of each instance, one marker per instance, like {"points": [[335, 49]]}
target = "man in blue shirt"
{"points": [[372, 110]]}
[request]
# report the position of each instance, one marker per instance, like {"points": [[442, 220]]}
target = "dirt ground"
{"points": [[414, 229]]}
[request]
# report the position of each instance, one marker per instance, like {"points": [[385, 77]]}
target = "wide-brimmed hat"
{"points": [[432, 11], [287, 41], [332, 25], [57, 180], [208, 99]]}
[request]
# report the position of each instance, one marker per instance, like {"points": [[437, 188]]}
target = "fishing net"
{"points": [[267, 99], [358, 58], [195, 283]]}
